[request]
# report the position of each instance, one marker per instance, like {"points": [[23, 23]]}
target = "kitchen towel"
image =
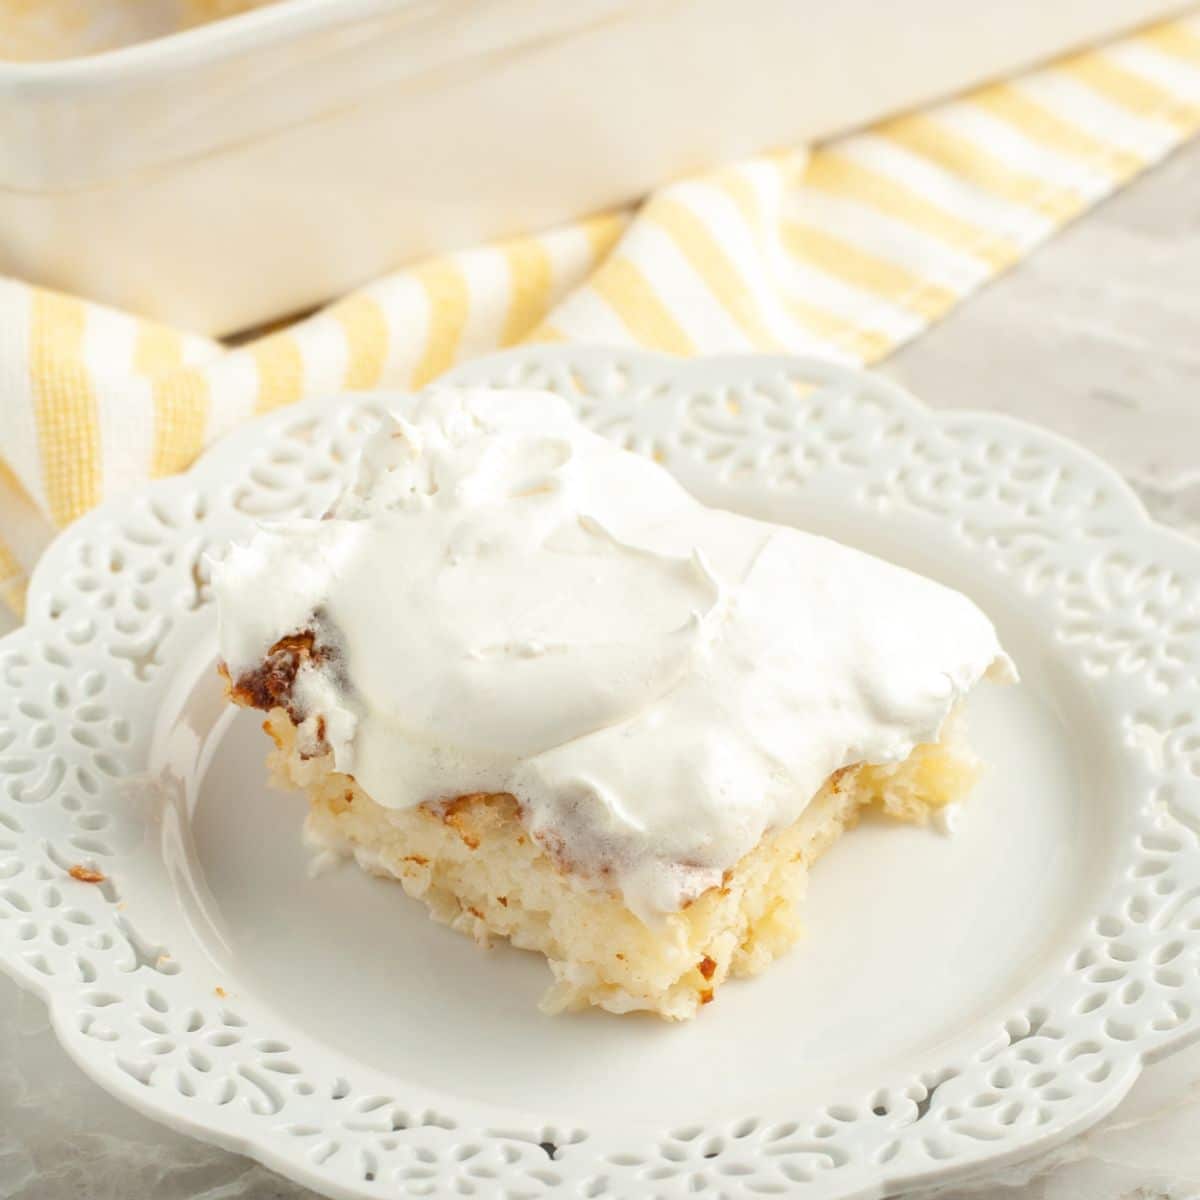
{"points": [[846, 252]]}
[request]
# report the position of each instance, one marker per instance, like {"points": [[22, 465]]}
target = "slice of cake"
{"points": [[526, 674]]}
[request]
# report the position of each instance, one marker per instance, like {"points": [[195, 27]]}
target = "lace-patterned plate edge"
{"points": [[122, 595]]}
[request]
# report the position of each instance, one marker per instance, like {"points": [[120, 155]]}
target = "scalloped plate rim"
{"points": [[150, 1104]]}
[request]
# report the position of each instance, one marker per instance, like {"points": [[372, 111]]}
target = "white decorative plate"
{"points": [[956, 1001]]}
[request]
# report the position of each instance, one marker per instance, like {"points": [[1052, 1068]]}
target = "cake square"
{"points": [[524, 673]]}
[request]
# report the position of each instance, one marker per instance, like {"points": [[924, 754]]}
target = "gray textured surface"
{"points": [[1096, 336]]}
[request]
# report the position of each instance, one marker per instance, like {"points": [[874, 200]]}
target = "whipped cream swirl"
{"points": [[512, 603]]}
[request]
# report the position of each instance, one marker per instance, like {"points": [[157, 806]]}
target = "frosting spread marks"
{"points": [[503, 601]]}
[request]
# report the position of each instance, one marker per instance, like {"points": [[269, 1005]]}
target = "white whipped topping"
{"points": [[514, 604]]}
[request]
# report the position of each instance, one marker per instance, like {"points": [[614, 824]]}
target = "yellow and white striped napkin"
{"points": [[846, 253]]}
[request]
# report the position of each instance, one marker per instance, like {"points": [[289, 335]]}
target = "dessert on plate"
{"points": [[525, 673]]}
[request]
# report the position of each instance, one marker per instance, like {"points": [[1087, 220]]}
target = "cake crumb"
{"points": [[86, 874], [453, 814], [468, 839]]}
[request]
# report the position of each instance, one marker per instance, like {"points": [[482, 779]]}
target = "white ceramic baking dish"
{"points": [[233, 173]]}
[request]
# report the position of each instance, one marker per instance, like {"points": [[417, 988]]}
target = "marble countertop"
{"points": [[1096, 336]]}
